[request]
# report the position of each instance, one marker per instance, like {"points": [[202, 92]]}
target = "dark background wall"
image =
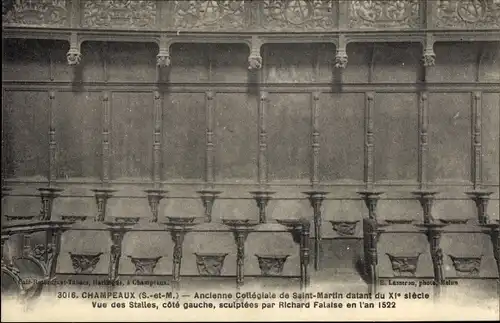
{"points": [[116, 87]]}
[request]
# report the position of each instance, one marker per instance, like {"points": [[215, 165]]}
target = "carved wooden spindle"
{"points": [[426, 199], [178, 227], [74, 55], [493, 230], [48, 194], [154, 198], [476, 140], [433, 232], [157, 134], [481, 199], [117, 233], [240, 237], [209, 149], [208, 197], [262, 198], [177, 235], [5, 238], [371, 234], [262, 158], [102, 195], [316, 199], [53, 248], [304, 254], [423, 139]]}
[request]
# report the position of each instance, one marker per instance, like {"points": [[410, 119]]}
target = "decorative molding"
{"points": [[467, 14], [454, 221], [41, 13], [305, 15], [125, 220], [210, 264], [144, 266], [404, 265], [467, 266], [209, 15], [85, 263], [271, 265], [377, 14], [398, 221], [344, 228], [73, 218], [119, 14]]}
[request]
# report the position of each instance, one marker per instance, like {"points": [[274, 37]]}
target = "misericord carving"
{"points": [[404, 265], [85, 263]]}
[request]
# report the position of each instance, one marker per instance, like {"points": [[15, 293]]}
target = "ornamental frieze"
{"points": [[384, 14], [468, 14], [299, 14], [43, 13], [209, 15], [119, 14]]}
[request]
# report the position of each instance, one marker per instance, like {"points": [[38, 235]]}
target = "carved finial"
{"points": [[255, 60], [74, 56]]}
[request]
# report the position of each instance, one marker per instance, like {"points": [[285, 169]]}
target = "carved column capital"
{"points": [[429, 56], [163, 57], [341, 58], [208, 197], [74, 55], [154, 198], [255, 59], [48, 194], [102, 195]]}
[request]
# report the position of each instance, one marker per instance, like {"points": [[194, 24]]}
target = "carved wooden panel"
{"points": [[358, 70], [467, 14], [396, 62], [290, 63], [93, 67], [77, 120], [384, 14], [131, 135], [491, 137], [341, 121], [184, 136], [229, 63], [139, 60], [119, 14], [458, 63], [26, 133], [396, 136], [42, 13], [190, 63], [449, 136], [489, 68], [209, 15], [236, 136], [300, 15], [288, 122], [25, 60]]}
